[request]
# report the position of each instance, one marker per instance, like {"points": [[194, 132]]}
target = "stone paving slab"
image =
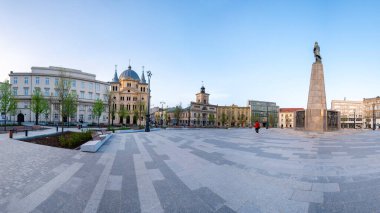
{"points": [[205, 170]]}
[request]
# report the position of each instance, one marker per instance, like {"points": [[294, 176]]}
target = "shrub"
{"points": [[74, 139]]}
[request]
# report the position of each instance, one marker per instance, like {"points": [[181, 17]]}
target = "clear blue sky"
{"points": [[242, 50]]}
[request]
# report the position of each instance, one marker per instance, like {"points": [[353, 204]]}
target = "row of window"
{"points": [[56, 82], [46, 93]]}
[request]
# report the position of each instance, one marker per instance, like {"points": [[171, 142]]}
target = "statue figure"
{"points": [[317, 54]]}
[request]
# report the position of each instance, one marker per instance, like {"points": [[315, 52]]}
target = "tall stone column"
{"points": [[316, 112]]}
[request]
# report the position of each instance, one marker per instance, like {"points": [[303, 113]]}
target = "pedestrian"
{"points": [[257, 126]]}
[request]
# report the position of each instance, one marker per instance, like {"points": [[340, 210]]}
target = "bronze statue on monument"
{"points": [[317, 53]]}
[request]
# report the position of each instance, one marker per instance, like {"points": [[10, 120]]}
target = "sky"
{"points": [[240, 50]]}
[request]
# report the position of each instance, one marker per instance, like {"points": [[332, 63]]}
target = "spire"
{"points": [[143, 76], [115, 78], [129, 66], [203, 90]]}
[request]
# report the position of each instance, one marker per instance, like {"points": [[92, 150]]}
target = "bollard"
{"points": [[10, 133], [26, 133]]}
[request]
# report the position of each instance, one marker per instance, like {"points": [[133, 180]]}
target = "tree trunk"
{"points": [[98, 121], [36, 118], [5, 122]]}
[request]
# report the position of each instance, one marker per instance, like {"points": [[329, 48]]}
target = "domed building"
{"points": [[129, 95]]}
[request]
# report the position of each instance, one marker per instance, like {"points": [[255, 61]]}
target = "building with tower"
{"points": [[200, 113], [129, 98]]}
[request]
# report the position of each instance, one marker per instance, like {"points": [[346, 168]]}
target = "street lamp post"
{"points": [[162, 114], [373, 117], [147, 129], [266, 126]]}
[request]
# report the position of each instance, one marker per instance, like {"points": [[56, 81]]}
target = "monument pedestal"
{"points": [[316, 112]]}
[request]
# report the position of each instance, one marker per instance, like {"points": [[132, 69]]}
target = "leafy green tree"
{"points": [[38, 104], [224, 118], [98, 109], [135, 116], [123, 113], [211, 119], [8, 102], [69, 106], [177, 113]]}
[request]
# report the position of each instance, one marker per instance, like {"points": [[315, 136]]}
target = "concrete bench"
{"points": [[94, 146]]}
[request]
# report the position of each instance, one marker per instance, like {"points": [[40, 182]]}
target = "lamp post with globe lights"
{"points": [[147, 129]]}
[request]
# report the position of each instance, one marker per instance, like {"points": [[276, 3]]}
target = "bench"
{"points": [[94, 146]]}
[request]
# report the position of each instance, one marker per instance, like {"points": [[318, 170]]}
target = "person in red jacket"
{"points": [[257, 126]]}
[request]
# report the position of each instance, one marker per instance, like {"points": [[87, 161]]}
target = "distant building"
{"points": [[351, 113], [130, 94], [233, 116], [264, 112], [85, 85], [287, 118], [371, 112], [201, 112]]}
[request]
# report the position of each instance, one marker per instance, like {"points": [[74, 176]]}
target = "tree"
{"points": [[122, 113], [211, 119], [8, 103], [177, 113], [69, 106], [271, 120], [38, 104], [224, 119], [63, 88], [98, 109], [135, 115], [141, 110]]}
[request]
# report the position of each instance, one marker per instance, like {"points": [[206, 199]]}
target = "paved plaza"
{"points": [[208, 170]]}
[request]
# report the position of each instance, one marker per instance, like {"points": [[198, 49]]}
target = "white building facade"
{"points": [[85, 85], [351, 113]]}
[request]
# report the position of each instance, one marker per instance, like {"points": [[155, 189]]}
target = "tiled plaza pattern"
{"points": [[197, 171]]}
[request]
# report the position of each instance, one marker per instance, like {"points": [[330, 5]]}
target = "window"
{"points": [[26, 91], [47, 81], [73, 83], [90, 85], [56, 81], [37, 80], [90, 95], [14, 80], [81, 94], [81, 107], [55, 116], [83, 84], [56, 93], [97, 87], [47, 91], [26, 80], [15, 91], [56, 106], [97, 96], [89, 117]]}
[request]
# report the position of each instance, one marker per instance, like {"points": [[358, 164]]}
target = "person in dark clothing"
{"points": [[257, 126]]}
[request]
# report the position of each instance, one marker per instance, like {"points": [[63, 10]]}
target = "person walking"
{"points": [[257, 126]]}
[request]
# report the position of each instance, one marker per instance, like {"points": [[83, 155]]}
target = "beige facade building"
{"points": [[371, 112], [129, 93], [233, 116], [200, 112], [351, 113], [85, 85], [286, 117]]}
